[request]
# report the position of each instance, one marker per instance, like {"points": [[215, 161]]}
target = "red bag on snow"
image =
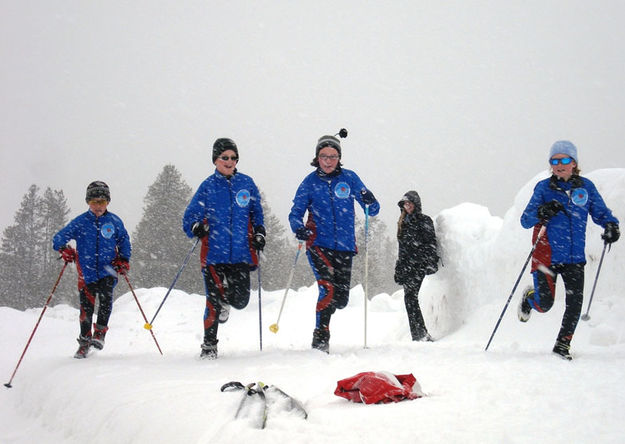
{"points": [[378, 387]]}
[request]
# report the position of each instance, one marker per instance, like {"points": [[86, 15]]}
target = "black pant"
{"points": [[333, 271], [544, 295], [103, 290], [418, 330], [224, 283]]}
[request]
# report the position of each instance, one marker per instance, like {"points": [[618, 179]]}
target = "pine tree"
{"points": [[27, 260], [20, 248], [10, 275], [53, 212], [159, 244]]}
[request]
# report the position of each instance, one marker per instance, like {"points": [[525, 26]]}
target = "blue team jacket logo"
{"points": [[107, 230], [243, 198], [579, 196], [342, 190]]}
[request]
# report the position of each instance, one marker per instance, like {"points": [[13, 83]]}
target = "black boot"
{"points": [[562, 349], [99, 332], [209, 350], [321, 340], [84, 343]]}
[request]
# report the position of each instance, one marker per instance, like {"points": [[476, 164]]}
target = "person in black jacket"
{"points": [[417, 258]]}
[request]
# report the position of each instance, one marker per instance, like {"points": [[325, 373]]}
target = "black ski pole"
{"points": [[529, 256], [586, 316], [260, 307], [148, 325], [142, 313], [8, 384]]}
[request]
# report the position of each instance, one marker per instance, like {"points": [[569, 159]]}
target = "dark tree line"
{"points": [[159, 246]]}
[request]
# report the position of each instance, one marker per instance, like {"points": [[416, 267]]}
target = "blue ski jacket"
{"points": [[231, 207], [566, 231], [329, 200], [99, 240]]}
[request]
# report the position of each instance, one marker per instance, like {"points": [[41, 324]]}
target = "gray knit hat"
{"points": [[564, 147], [330, 141]]}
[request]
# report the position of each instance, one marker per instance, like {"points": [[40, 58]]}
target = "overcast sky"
{"points": [[459, 100]]}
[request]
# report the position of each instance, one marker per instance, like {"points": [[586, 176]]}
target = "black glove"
{"points": [[258, 241], [400, 276], [199, 230], [302, 233], [611, 233], [367, 197], [547, 210]]}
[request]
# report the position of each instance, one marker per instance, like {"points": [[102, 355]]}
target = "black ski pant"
{"points": [[333, 271], [224, 283], [102, 290], [545, 290], [418, 330]]}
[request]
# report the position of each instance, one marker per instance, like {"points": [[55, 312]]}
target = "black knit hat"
{"points": [[222, 145], [98, 190]]}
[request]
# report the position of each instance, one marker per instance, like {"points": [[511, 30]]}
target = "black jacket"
{"points": [[417, 246]]}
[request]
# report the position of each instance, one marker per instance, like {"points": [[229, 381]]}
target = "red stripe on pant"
{"points": [[327, 299]]}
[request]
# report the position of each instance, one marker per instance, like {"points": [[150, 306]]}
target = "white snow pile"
{"points": [[517, 391]]}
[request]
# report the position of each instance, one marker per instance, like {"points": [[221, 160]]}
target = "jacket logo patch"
{"points": [[342, 190], [107, 230], [243, 198], [579, 196]]}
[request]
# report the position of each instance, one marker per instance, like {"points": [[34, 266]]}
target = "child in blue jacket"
{"points": [[328, 195], [102, 251], [562, 203], [226, 214]]}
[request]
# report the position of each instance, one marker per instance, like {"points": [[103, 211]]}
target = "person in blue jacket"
{"points": [[226, 214], [102, 251], [562, 203], [328, 195]]}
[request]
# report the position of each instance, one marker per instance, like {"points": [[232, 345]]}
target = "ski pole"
{"points": [[142, 313], [366, 269], [540, 235], [8, 384], [260, 308], [274, 327], [586, 317], [148, 325]]}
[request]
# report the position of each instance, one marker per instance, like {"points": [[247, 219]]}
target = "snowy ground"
{"points": [[515, 392]]}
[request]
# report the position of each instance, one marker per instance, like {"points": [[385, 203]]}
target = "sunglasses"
{"points": [[563, 161], [331, 157], [226, 158], [98, 201]]}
